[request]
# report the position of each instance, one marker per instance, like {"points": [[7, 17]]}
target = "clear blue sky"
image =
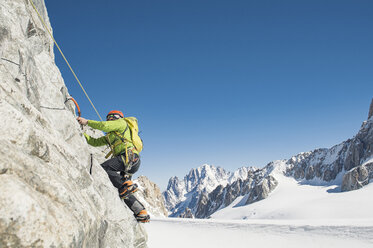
{"points": [[228, 83]]}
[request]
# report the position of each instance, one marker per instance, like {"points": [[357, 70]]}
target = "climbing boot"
{"points": [[127, 188], [142, 216]]}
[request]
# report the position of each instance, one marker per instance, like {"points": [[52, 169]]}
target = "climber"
{"points": [[125, 144]]}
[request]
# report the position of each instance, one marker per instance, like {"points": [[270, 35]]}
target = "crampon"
{"points": [[127, 188], [142, 216]]}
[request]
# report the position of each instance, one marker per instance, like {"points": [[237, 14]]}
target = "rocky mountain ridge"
{"points": [[349, 164], [182, 194], [256, 186], [342, 160]]}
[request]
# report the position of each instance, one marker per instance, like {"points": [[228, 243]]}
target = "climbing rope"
{"points": [[68, 64]]}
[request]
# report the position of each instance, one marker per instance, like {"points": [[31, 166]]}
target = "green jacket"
{"points": [[111, 138]]}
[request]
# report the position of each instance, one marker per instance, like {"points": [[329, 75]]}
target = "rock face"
{"points": [[150, 195], [48, 197], [357, 177]]}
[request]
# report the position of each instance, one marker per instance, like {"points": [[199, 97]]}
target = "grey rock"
{"points": [[150, 195], [187, 214], [261, 190], [233, 190], [357, 177], [209, 203]]}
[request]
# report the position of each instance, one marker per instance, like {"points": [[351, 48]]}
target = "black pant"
{"points": [[116, 164], [119, 171]]}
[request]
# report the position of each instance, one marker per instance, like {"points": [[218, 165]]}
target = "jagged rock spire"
{"points": [[370, 110]]}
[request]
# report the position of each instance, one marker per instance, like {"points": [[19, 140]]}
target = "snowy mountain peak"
{"points": [[173, 182], [204, 179], [241, 173]]}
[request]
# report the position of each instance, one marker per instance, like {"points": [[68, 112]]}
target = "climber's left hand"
{"points": [[82, 121]]}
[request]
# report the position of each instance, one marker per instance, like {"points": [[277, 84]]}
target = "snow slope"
{"points": [[292, 200]]}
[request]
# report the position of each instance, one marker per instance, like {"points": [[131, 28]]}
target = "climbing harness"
{"points": [[68, 64]]}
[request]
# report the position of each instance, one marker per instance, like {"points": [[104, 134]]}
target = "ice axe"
{"points": [[77, 107], [76, 104]]}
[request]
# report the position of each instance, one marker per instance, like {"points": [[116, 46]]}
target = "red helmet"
{"points": [[115, 114]]}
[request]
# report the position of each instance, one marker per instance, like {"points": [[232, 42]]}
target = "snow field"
{"points": [[187, 233]]}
